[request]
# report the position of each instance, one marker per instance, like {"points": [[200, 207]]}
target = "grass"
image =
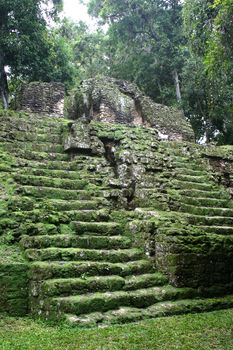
{"points": [[207, 331]]}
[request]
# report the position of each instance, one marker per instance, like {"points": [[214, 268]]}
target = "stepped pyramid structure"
{"points": [[112, 222]]}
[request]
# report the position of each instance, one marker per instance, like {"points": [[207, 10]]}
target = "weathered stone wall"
{"points": [[220, 159], [195, 260], [42, 98], [117, 101], [13, 282]]}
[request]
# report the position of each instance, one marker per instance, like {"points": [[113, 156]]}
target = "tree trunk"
{"points": [[177, 85], [3, 84]]}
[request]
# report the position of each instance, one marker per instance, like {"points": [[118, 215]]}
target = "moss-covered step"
{"points": [[44, 215], [161, 309], [180, 184], [206, 194], [38, 156], [29, 126], [50, 164], [102, 228], [42, 270], [33, 146], [69, 254], [25, 120], [33, 180], [18, 135], [74, 286], [38, 228], [220, 230], [74, 241], [148, 280], [39, 215], [57, 193], [180, 158], [23, 203], [52, 173], [188, 165], [64, 205], [193, 178], [206, 202], [102, 302], [210, 211], [16, 203], [192, 172], [210, 220], [91, 215], [64, 176]]}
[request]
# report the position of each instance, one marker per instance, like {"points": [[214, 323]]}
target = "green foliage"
{"points": [[144, 43], [209, 29], [28, 47]]}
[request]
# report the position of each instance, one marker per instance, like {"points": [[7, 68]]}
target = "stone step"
{"points": [[200, 179], [47, 138], [88, 215], [57, 193], [205, 202], [56, 174], [74, 254], [40, 156], [193, 185], [102, 228], [16, 203], [219, 230], [38, 229], [42, 270], [43, 181], [18, 135], [102, 302], [205, 194], [180, 158], [188, 165], [50, 164], [23, 203], [65, 205], [33, 146], [165, 308], [73, 241], [38, 215], [44, 215], [210, 220], [74, 286], [134, 282], [60, 175], [43, 125], [210, 211], [191, 172]]}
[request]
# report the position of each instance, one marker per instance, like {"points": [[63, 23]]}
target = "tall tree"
{"points": [[148, 41], [23, 37], [209, 29]]}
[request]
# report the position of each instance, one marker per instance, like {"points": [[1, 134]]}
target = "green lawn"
{"points": [[207, 331]]}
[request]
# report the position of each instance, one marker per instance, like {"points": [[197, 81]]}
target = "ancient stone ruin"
{"points": [[117, 101], [106, 221], [42, 98]]}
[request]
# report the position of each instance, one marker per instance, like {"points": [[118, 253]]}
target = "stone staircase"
{"points": [[208, 211], [206, 204], [83, 265]]}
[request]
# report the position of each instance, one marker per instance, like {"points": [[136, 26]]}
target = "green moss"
{"points": [[75, 254], [13, 281]]}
